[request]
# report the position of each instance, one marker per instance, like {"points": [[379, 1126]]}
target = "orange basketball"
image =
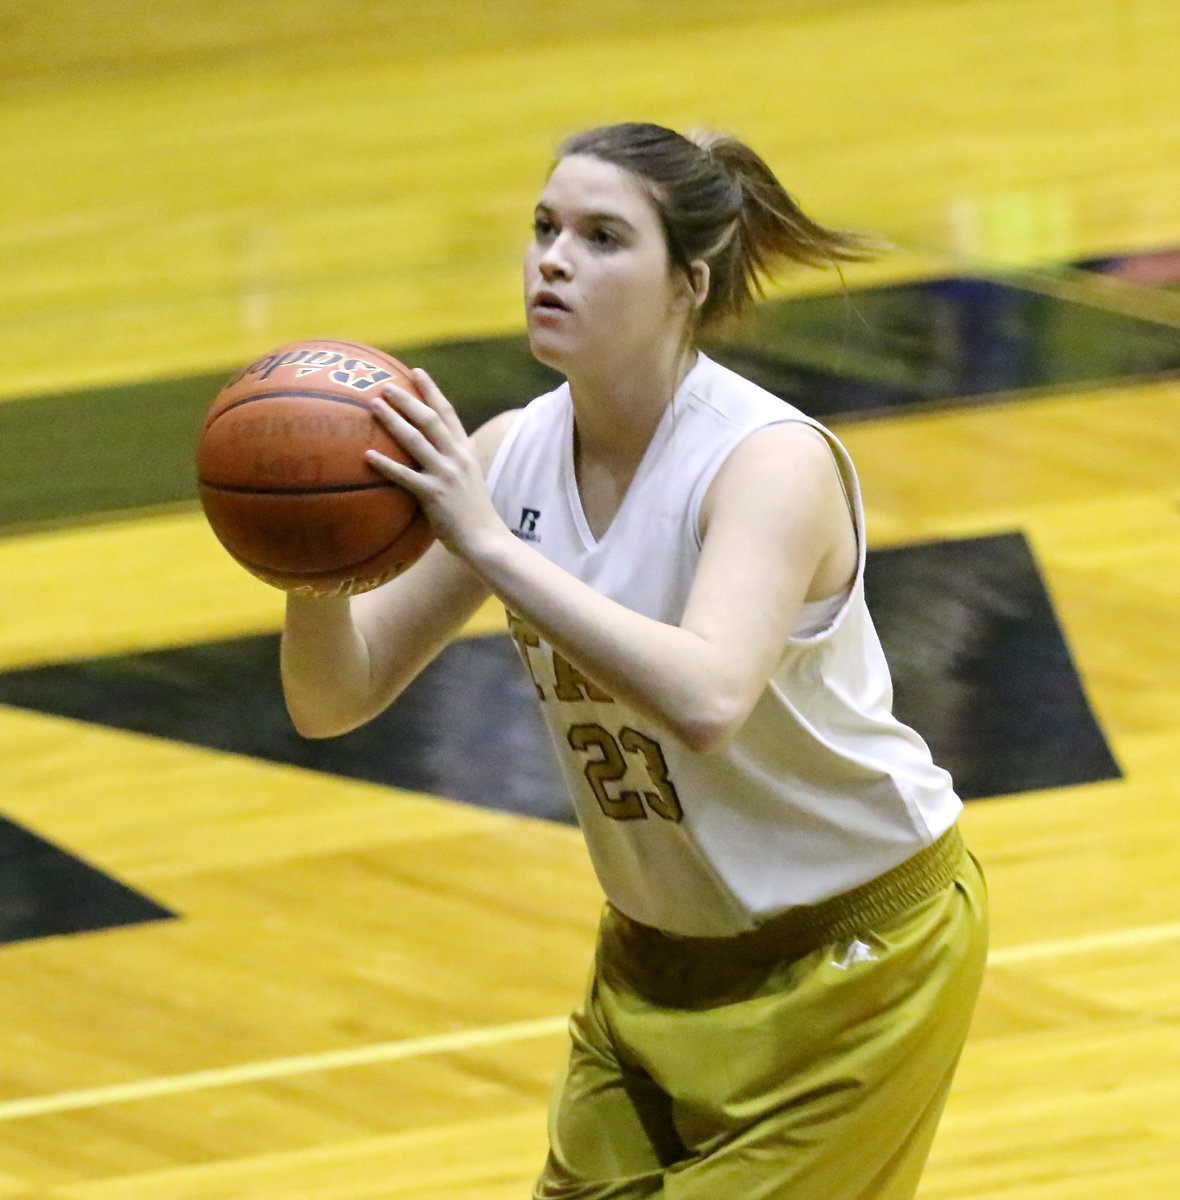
{"points": [[283, 478]]}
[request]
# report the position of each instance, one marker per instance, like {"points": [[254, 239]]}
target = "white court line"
{"points": [[278, 1068], [1118, 939], [470, 1039]]}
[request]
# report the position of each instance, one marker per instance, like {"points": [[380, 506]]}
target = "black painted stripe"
{"points": [[981, 669], [874, 352]]}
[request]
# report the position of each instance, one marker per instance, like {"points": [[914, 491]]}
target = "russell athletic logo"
{"points": [[526, 529]]}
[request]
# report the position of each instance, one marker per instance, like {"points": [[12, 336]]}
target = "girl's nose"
{"points": [[552, 269], [554, 263]]}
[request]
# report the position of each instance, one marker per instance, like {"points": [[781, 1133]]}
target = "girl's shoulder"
{"points": [[734, 399], [490, 436]]}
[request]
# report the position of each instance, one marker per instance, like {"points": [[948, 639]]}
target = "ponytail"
{"points": [[719, 203], [768, 231]]}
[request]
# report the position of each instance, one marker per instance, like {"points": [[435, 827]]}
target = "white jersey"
{"points": [[822, 788]]}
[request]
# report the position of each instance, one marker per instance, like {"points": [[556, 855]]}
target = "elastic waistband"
{"points": [[797, 931]]}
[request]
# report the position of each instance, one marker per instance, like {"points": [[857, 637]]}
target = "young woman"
{"points": [[794, 935]]}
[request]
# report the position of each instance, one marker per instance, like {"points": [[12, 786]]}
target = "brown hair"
{"points": [[720, 203]]}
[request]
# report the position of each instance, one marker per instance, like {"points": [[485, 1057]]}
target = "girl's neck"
{"points": [[617, 413]]}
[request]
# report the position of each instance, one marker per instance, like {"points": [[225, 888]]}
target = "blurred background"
{"points": [[237, 964]]}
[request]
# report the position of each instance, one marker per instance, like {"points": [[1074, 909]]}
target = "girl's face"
{"points": [[597, 285]]}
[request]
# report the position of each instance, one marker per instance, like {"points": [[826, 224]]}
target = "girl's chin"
{"points": [[548, 351]]}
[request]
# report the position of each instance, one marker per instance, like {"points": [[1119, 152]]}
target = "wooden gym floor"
{"points": [[234, 966]]}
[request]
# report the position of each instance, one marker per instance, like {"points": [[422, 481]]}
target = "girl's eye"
{"points": [[542, 227], [603, 239]]}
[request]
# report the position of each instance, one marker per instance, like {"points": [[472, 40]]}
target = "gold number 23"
{"points": [[610, 765]]}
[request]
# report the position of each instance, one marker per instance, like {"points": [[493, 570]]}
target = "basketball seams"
{"points": [[294, 491], [287, 394]]}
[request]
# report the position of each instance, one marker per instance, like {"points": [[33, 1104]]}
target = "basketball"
{"points": [[282, 476]]}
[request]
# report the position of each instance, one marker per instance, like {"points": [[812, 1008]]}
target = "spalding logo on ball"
{"points": [[283, 479]]}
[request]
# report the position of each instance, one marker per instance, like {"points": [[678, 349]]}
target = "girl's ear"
{"points": [[698, 278]]}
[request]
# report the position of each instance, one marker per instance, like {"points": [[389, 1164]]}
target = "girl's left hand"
{"points": [[449, 481]]}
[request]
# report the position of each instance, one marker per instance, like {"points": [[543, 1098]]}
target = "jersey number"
{"points": [[608, 764]]}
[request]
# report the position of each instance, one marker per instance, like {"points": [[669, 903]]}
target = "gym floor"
{"points": [[240, 964]]}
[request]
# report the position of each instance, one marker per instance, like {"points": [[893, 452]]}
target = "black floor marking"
{"points": [[46, 891], [980, 665], [982, 668], [467, 728], [836, 356], [132, 446], [940, 342]]}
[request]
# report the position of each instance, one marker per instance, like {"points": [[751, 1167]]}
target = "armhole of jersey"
{"points": [[496, 467], [849, 485]]}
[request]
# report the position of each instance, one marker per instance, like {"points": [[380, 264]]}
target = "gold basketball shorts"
{"points": [[807, 1060]]}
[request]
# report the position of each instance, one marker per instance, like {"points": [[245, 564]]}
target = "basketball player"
{"points": [[794, 935]]}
